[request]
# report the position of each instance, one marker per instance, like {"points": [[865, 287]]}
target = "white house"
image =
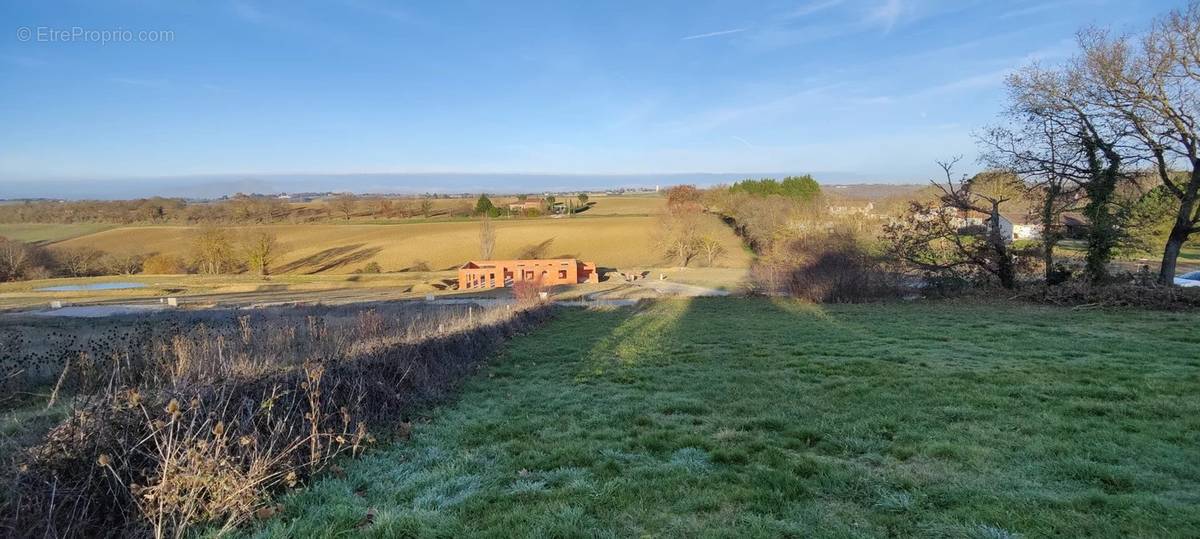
{"points": [[1027, 231], [978, 219]]}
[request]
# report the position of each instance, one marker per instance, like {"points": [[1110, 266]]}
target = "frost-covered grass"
{"points": [[756, 418]]}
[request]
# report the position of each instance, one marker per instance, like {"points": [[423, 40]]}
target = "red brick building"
{"points": [[503, 273]]}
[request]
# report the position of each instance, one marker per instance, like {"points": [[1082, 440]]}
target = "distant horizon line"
{"points": [[202, 175], [210, 186]]}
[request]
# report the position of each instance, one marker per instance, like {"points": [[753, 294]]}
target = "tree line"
{"points": [[240, 209], [212, 250], [757, 209], [255, 209], [1112, 135]]}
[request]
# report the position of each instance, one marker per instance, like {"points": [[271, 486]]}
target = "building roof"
{"points": [[473, 264]]}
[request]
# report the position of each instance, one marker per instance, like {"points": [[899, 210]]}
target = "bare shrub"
{"points": [[528, 292], [180, 425], [826, 269], [1080, 294], [80, 261], [164, 264], [15, 258], [123, 263], [21, 261]]}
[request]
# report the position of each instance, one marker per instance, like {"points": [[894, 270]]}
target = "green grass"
{"points": [[757, 418], [24, 422]]}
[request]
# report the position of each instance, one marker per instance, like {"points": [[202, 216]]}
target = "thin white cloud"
{"points": [[813, 7], [973, 82], [251, 12], [886, 14], [1032, 10], [23, 61], [784, 105], [248, 12], [382, 9], [743, 141], [873, 100], [145, 83], [715, 34]]}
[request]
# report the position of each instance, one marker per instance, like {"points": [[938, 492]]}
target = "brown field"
{"points": [[324, 248], [626, 205], [640, 204], [48, 233]]}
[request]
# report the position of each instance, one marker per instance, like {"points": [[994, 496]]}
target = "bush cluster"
{"points": [[826, 268], [1081, 294], [200, 428]]}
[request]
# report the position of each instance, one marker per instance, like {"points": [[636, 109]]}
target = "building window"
{"points": [[562, 274]]}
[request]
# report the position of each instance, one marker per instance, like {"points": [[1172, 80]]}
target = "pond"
{"points": [[90, 286]]}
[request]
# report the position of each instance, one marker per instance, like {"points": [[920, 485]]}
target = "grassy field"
{"points": [[331, 248], [48, 233], [759, 418]]}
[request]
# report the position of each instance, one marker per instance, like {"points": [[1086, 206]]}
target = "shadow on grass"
{"points": [[334, 257], [759, 417]]}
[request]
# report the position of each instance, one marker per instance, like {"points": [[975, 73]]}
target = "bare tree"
{"points": [[384, 207], [1154, 87], [212, 250], [1041, 146], [932, 236], [79, 261], [487, 238], [15, 258], [346, 204], [678, 237], [985, 194], [426, 207], [1069, 140], [712, 249], [260, 250], [124, 263]]}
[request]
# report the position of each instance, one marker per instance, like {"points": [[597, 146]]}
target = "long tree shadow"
{"points": [[673, 415], [334, 257], [535, 250]]}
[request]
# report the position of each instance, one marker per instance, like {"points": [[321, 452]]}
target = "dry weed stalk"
{"points": [[201, 425]]}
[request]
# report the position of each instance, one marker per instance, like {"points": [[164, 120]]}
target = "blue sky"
{"points": [[855, 89]]}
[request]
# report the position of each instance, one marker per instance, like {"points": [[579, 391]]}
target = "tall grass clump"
{"points": [[183, 423]]}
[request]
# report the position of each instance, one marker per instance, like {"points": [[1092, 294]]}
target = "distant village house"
{"points": [[851, 210], [527, 204]]}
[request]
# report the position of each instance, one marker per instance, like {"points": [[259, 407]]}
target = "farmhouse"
{"points": [[527, 204], [503, 273]]}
